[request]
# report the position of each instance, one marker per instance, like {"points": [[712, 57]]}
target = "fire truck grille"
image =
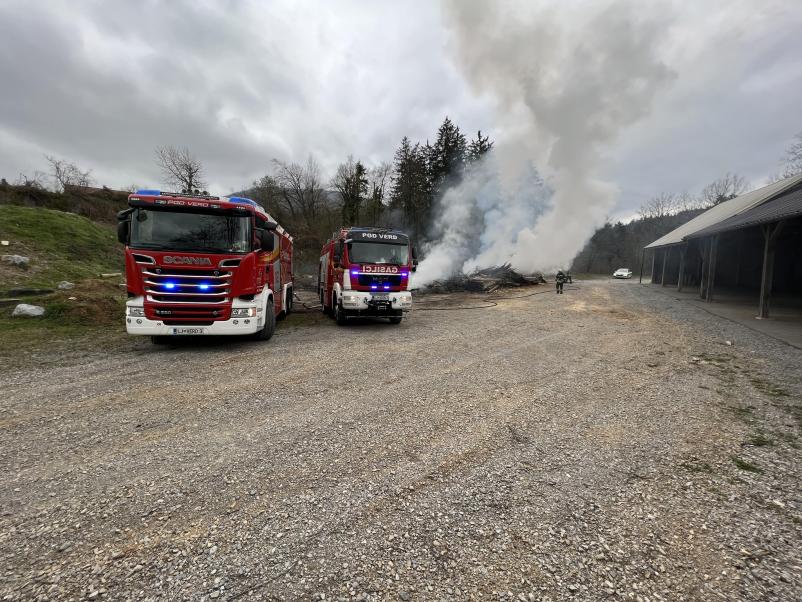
{"points": [[370, 279], [177, 285], [189, 316]]}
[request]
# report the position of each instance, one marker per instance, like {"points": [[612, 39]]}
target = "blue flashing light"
{"points": [[354, 272], [405, 273], [149, 192], [242, 200], [169, 285], [387, 287], [374, 287], [203, 286]]}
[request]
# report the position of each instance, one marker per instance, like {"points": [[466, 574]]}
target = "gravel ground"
{"points": [[604, 444]]}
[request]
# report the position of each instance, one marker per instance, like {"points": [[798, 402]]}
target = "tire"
{"points": [[270, 324], [396, 319], [160, 340], [340, 316]]}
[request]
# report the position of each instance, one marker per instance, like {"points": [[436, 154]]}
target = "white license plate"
{"points": [[187, 330], [381, 297]]}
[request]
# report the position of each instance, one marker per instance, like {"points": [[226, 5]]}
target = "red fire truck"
{"points": [[366, 272], [203, 265]]}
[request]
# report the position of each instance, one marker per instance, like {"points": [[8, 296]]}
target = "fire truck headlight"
{"points": [[138, 312], [243, 312]]}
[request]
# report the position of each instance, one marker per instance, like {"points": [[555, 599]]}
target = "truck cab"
{"points": [[366, 272], [197, 264]]}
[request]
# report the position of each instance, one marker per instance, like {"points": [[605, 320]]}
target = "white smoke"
{"points": [[566, 82]]}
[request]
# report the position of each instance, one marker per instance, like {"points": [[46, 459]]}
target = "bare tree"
{"points": [[792, 163], [180, 168], [725, 188], [300, 188], [379, 180], [661, 205], [37, 180], [63, 174]]}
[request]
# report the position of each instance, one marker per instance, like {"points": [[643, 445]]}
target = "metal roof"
{"points": [[785, 206], [723, 211]]}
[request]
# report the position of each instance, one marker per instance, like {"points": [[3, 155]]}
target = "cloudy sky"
{"points": [[102, 83]]}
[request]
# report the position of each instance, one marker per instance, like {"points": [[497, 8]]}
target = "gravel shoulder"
{"points": [[604, 444]]}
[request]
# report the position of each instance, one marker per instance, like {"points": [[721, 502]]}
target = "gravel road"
{"points": [[604, 444]]}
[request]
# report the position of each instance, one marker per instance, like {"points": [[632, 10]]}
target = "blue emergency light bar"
{"points": [[149, 192], [242, 200]]}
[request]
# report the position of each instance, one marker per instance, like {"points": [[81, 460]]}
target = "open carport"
{"points": [[746, 251]]}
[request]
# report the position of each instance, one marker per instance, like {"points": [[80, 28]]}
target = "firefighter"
{"points": [[560, 280], [568, 277]]}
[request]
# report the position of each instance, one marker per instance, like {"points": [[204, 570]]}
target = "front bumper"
{"points": [[140, 325], [366, 303]]}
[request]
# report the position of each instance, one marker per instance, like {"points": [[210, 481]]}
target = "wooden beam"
{"points": [[703, 264], [654, 256], [642, 259], [711, 268], [770, 234], [666, 255], [682, 251]]}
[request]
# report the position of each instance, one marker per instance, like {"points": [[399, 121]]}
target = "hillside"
{"points": [[620, 245], [61, 246]]}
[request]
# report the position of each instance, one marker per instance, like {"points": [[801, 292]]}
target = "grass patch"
{"points": [[759, 440], [744, 465], [697, 466], [61, 246], [96, 312], [744, 413], [767, 388]]}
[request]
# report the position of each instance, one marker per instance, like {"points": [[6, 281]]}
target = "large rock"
{"points": [[23, 310], [19, 260], [64, 285]]}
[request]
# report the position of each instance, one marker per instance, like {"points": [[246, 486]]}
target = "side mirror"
{"points": [[270, 226], [122, 231], [267, 240]]}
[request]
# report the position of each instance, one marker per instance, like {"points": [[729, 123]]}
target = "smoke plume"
{"points": [[566, 82]]}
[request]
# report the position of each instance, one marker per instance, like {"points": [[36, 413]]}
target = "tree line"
{"points": [[400, 194], [620, 245]]}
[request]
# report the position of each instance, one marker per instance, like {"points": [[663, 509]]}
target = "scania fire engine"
{"points": [[197, 264], [366, 272]]}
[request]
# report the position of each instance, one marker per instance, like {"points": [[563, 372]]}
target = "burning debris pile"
{"points": [[485, 280]]}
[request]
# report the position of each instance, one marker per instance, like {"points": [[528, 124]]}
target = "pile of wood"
{"points": [[485, 280]]}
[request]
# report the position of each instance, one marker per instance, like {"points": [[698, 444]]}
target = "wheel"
{"points": [[339, 315], [395, 320], [159, 340], [270, 324]]}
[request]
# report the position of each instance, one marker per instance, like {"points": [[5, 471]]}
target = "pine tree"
{"points": [[479, 147], [448, 156]]}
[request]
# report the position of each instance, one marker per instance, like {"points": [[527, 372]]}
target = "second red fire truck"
{"points": [[197, 264], [366, 272]]}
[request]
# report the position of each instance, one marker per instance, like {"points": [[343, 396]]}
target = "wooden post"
{"points": [[702, 253], [642, 258], [711, 269], [738, 265], [682, 251], [666, 255], [770, 234], [654, 257]]}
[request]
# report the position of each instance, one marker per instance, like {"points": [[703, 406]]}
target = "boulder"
{"points": [[65, 286], [23, 310], [18, 260]]}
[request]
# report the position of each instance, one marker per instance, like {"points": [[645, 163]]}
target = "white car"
{"points": [[622, 273]]}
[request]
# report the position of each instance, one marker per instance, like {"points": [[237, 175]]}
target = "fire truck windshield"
{"points": [[182, 231], [374, 252]]}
